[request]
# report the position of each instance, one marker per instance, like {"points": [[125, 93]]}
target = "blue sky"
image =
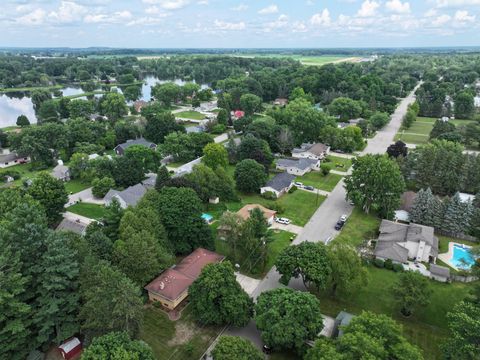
{"points": [[239, 23]]}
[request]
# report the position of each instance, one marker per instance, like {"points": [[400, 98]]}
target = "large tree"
{"points": [[376, 183], [250, 103], [117, 346], [308, 260], [167, 93], [345, 108], [464, 105], [256, 149], [287, 318], [160, 125], [51, 194], [113, 106], [235, 348], [249, 176], [411, 291], [216, 298], [215, 155]]}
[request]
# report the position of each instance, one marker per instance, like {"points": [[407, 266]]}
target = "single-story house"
{"points": [[298, 167], [120, 149], [355, 121], [195, 129], [343, 319], [128, 197], [439, 273], [76, 227], [245, 211], [170, 288], [311, 151], [150, 181], [61, 172], [8, 158], [139, 105], [280, 102], [401, 242], [279, 184]]}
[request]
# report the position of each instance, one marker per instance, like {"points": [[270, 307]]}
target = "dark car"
{"points": [[339, 225], [267, 349], [311, 188]]}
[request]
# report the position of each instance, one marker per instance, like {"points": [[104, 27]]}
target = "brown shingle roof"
{"points": [[175, 281], [244, 212]]}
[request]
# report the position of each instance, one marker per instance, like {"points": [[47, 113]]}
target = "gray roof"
{"points": [[316, 149], [60, 171], [281, 181], [150, 181], [301, 164], [343, 319], [131, 195], [392, 251], [9, 157], [194, 129], [439, 270], [74, 226], [139, 141]]}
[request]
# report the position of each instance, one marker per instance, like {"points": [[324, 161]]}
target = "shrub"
{"points": [[325, 169], [398, 267], [379, 263], [292, 189], [13, 173], [269, 195], [101, 186], [388, 264], [219, 129], [277, 207]]}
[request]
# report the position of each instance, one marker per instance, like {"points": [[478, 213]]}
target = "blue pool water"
{"points": [[461, 257], [207, 217]]}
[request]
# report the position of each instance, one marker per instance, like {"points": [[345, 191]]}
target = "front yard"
{"points": [[339, 163], [75, 186], [319, 181], [359, 227], [91, 211], [195, 115], [175, 340]]}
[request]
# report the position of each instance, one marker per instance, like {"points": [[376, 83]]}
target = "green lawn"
{"points": [[359, 227], [175, 340], [25, 172], [426, 328], [340, 163], [195, 115], [412, 138], [92, 211], [74, 186], [319, 181]]}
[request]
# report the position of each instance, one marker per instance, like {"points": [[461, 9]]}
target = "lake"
{"points": [[12, 107]]}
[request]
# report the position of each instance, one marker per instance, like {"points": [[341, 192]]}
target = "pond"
{"points": [[13, 105]]}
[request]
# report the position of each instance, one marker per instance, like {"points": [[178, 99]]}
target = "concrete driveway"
{"points": [[295, 229], [84, 196]]}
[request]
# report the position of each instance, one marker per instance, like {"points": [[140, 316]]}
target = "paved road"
{"points": [[321, 224]]}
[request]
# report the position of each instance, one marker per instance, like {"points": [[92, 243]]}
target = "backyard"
{"points": [[320, 181], [339, 163], [175, 340], [91, 211], [75, 186]]}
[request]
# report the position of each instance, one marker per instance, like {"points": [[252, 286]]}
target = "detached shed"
{"points": [[71, 348]]}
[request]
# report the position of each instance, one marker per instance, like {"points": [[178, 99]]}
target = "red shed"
{"points": [[70, 348]]}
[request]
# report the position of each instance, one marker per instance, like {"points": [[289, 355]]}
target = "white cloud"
{"points": [[321, 19], [68, 12], [115, 18], [441, 20], [168, 4], [202, 2], [463, 16], [281, 22], [431, 13], [36, 17], [147, 20], [397, 6], [240, 7], [455, 3], [272, 9], [368, 8], [299, 27], [222, 25]]}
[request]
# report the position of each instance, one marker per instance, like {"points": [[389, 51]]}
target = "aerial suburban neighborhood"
{"points": [[164, 195]]}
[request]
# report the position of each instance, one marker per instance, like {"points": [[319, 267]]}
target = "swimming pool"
{"points": [[461, 257]]}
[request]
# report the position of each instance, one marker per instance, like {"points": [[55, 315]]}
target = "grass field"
{"points": [[25, 172], [419, 132], [195, 115], [359, 227], [340, 163], [74, 186], [305, 60], [319, 181], [92, 211], [175, 340]]}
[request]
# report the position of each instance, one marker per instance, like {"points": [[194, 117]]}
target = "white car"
{"points": [[298, 184], [343, 218], [283, 221]]}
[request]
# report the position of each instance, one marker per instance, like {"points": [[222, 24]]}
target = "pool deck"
{"points": [[446, 257]]}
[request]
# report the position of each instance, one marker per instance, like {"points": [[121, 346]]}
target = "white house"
{"points": [[401, 242], [298, 167], [311, 151], [279, 185], [8, 159], [128, 197]]}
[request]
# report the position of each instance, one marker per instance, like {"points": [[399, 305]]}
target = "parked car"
{"points": [[298, 184], [283, 221], [311, 188], [343, 218], [339, 225], [267, 349]]}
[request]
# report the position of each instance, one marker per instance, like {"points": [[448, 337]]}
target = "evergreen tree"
{"points": [[162, 178], [111, 219], [14, 312], [57, 297], [456, 220], [421, 206]]}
